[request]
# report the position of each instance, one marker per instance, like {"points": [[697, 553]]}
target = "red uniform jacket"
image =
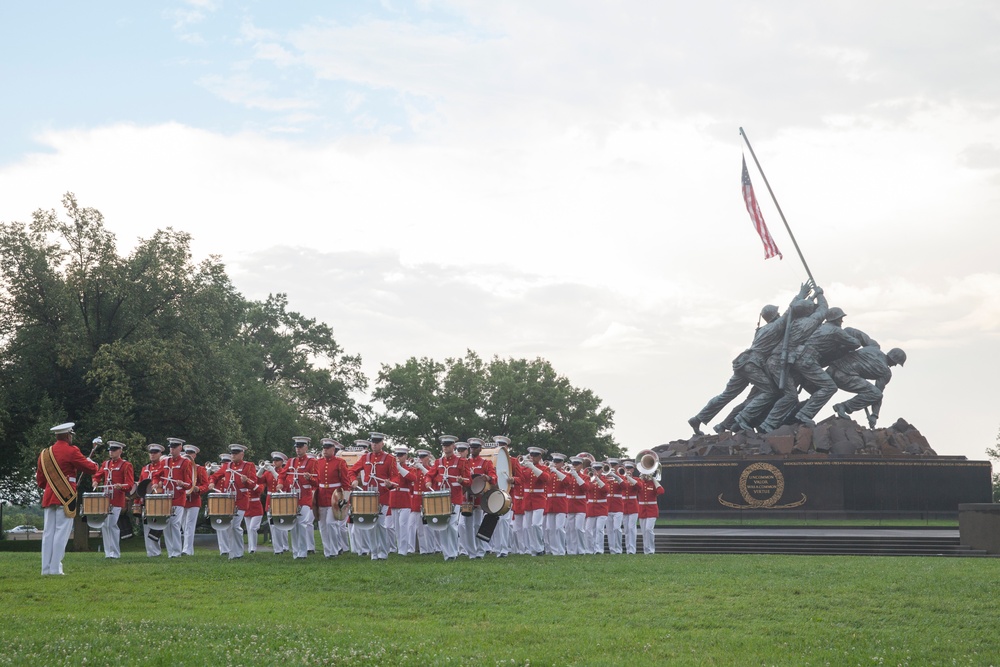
{"points": [[176, 476], [451, 472], [631, 496], [373, 471], [201, 487], [647, 495], [71, 461], [296, 469], [417, 494], [270, 480], [401, 497], [256, 507], [555, 493], [116, 472], [616, 496], [576, 495], [228, 478], [481, 466], [534, 489], [332, 476], [597, 498]]}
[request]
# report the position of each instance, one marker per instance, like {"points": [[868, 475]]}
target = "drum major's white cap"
{"points": [[63, 428]]}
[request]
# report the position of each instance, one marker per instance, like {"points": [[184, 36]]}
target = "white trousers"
{"points": [[615, 532], [449, 536], [311, 533], [500, 544], [172, 533], [189, 523], [595, 533], [301, 529], [344, 530], [403, 529], [55, 536], [111, 535], [555, 533], [519, 533], [648, 538], [361, 540], [426, 538], [576, 525], [252, 524], [535, 530], [152, 546], [235, 532], [379, 540], [467, 528], [329, 532], [631, 521]]}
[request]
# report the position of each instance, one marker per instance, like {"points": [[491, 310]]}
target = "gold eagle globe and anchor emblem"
{"points": [[761, 486]]}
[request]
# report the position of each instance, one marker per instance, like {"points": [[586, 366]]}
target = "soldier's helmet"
{"points": [[802, 307], [897, 356], [769, 312], [835, 314]]}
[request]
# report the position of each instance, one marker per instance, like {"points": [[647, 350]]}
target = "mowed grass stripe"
{"points": [[662, 609]]}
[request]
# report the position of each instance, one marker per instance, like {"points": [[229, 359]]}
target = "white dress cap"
{"points": [[173, 442], [63, 428], [501, 440], [192, 449], [301, 440], [448, 439], [278, 455], [237, 448], [154, 447]]}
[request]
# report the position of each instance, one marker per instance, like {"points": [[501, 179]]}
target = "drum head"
{"points": [[479, 484], [143, 488], [502, 463]]}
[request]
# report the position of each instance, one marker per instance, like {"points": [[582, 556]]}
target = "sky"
{"points": [[548, 179]]}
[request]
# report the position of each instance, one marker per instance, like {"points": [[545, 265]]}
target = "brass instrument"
{"points": [[647, 463]]}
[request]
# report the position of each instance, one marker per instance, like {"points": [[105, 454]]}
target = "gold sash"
{"points": [[58, 482]]}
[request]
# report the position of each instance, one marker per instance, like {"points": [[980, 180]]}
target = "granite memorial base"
{"points": [[979, 526]]}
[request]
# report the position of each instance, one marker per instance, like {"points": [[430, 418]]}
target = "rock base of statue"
{"points": [[836, 468]]}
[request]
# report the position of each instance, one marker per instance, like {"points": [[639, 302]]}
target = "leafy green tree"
{"points": [[147, 345], [523, 399]]}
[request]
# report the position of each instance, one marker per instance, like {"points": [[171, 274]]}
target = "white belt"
{"points": [[579, 497], [559, 495], [402, 490], [534, 490], [599, 500], [641, 502], [306, 486], [72, 479], [326, 486], [255, 500]]}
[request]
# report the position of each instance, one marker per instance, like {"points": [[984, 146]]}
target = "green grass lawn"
{"points": [[599, 610]]}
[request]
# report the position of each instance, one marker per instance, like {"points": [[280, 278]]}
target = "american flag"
{"points": [[770, 247]]}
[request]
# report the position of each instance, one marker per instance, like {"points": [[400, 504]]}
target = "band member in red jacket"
{"points": [[192, 505], [401, 501], [58, 468], [534, 477], [151, 536], [449, 472], [425, 538], [239, 477], [117, 477], [597, 509], [503, 537], [556, 506], [279, 536], [332, 480], [376, 470], [649, 511], [478, 467], [616, 506], [176, 476], [299, 475], [254, 515], [576, 506], [631, 515]]}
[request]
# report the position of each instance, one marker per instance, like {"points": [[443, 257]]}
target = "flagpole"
{"points": [[778, 206]]}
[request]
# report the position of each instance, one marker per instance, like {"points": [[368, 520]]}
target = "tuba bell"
{"points": [[647, 463]]}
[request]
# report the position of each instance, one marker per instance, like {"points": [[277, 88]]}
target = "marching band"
{"points": [[476, 499]]}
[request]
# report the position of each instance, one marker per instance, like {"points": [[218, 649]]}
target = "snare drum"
{"points": [[96, 507], [480, 483], [364, 508], [284, 509], [496, 502], [436, 509], [221, 509], [158, 507]]}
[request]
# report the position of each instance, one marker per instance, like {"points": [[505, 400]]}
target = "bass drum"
{"points": [[496, 502], [501, 462]]}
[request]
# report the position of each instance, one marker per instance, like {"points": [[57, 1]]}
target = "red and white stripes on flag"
{"points": [[770, 247]]}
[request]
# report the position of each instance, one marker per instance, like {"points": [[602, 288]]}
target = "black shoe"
{"points": [[694, 423], [840, 410]]}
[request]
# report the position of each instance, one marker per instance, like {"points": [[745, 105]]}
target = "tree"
{"points": [[994, 454], [147, 345], [523, 399]]}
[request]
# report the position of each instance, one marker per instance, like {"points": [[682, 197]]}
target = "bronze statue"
{"points": [[852, 372]]}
